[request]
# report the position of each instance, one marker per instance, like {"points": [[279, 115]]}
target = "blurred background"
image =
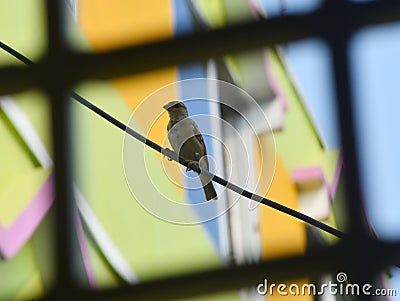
{"points": [[292, 157]]}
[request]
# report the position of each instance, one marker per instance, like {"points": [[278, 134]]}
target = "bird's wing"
{"points": [[199, 137]]}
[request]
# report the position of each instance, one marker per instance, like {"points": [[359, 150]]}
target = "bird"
{"points": [[188, 143]]}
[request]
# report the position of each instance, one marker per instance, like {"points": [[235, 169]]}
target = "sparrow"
{"points": [[186, 140]]}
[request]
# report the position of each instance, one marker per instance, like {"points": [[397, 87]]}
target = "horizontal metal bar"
{"points": [[203, 45], [16, 79], [349, 257], [232, 39]]}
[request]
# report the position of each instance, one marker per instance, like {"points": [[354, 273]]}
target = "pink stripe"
{"points": [[84, 251], [14, 237], [274, 82], [307, 173], [316, 172]]}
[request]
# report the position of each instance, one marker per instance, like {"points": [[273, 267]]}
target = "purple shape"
{"points": [[15, 236]]}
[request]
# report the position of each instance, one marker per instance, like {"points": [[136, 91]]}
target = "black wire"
{"points": [[168, 153], [16, 54]]}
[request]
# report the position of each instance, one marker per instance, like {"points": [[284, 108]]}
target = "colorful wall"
{"points": [[119, 241]]}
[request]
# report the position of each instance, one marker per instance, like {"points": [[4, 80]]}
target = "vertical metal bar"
{"points": [[357, 222], [57, 88], [358, 225]]}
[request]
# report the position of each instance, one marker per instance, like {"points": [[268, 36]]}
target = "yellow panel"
{"points": [[107, 24], [112, 24], [281, 235], [135, 90]]}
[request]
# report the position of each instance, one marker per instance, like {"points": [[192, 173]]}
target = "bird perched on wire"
{"points": [[186, 140]]}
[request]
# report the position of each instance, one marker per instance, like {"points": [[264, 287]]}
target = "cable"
{"points": [[16, 54], [172, 155]]}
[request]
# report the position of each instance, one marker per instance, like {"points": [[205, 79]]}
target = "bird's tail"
{"points": [[209, 191], [206, 182]]}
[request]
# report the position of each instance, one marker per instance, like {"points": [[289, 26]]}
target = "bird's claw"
{"points": [[190, 165]]}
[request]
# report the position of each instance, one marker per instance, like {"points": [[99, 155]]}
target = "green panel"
{"points": [[339, 207], [298, 142], [43, 244], [13, 153], [213, 11], [17, 272], [32, 289], [37, 109], [23, 28], [104, 274], [237, 11]]}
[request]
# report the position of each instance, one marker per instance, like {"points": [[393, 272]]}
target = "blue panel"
{"points": [[183, 22], [311, 65], [376, 65], [310, 62]]}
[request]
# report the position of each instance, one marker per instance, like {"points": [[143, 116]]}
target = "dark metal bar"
{"points": [[17, 79], [204, 45], [356, 216], [236, 38], [358, 225], [56, 87], [340, 257]]}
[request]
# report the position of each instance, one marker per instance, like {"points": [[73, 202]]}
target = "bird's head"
{"points": [[176, 110]]}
